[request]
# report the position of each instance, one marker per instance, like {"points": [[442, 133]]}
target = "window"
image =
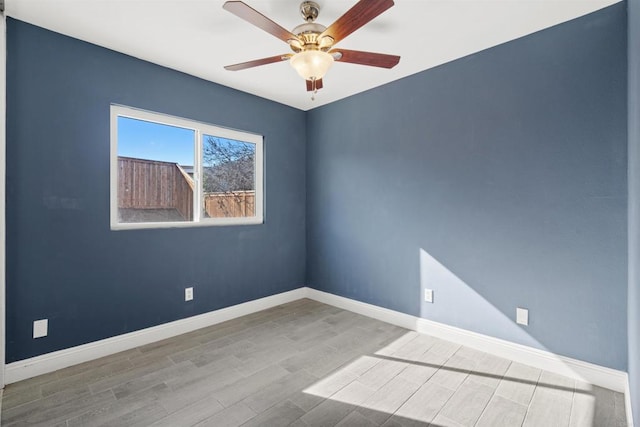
{"points": [[173, 172]]}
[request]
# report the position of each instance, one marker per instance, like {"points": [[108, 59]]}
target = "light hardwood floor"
{"points": [[307, 364]]}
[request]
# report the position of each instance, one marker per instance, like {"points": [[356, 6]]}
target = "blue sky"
{"points": [[153, 141]]}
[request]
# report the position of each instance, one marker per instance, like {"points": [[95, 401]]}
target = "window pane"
{"points": [[156, 160], [228, 172], [155, 172]]}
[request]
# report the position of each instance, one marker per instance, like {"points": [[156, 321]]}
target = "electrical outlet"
{"points": [[188, 294], [428, 295], [522, 316], [40, 328]]}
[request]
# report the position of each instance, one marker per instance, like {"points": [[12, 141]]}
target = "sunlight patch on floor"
{"points": [[426, 379]]}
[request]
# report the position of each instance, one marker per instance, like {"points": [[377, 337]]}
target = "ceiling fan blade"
{"points": [[257, 62], [249, 14], [363, 12], [371, 59], [313, 85]]}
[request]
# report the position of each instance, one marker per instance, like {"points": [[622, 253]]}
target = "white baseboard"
{"points": [[562, 365], [573, 368], [383, 314], [23, 369], [627, 404]]}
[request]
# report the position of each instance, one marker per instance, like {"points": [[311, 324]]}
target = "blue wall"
{"points": [[64, 263], [498, 180], [634, 205]]}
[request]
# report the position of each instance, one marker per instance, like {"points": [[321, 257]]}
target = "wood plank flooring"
{"points": [[307, 364]]}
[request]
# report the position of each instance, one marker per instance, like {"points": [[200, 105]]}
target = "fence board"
{"points": [[150, 184], [230, 205]]}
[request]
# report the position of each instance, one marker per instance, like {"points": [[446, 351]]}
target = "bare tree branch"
{"points": [[228, 168]]}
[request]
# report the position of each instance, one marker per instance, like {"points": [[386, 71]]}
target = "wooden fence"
{"points": [[150, 184], [232, 204]]}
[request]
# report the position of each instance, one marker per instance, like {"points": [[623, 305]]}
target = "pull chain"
{"points": [[315, 88]]}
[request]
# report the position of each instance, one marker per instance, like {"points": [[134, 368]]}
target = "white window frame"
{"points": [[199, 129]]}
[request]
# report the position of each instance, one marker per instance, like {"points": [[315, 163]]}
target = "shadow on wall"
{"points": [[470, 305], [471, 311]]}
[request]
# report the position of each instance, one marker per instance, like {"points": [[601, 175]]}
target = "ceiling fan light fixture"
{"points": [[311, 64]]}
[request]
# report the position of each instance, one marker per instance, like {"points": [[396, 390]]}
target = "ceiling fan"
{"points": [[312, 43]]}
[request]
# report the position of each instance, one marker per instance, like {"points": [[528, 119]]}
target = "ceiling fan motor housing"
{"points": [[308, 36], [308, 32]]}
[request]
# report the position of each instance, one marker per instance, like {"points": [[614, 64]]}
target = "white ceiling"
{"points": [[198, 37]]}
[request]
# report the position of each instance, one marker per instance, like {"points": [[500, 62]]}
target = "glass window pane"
{"points": [[228, 178], [155, 172]]}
